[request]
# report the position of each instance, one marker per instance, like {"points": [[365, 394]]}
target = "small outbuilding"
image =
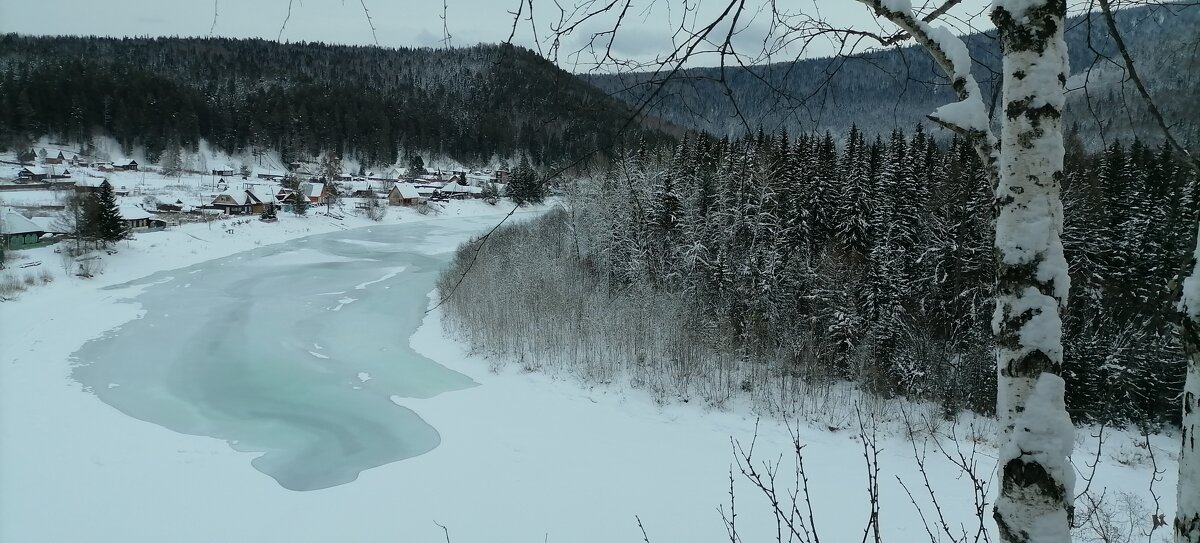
{"points": [[403, 194], [136, 217], [17, 231]]}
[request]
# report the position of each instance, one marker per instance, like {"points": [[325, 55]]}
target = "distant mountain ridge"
{"points": [[884, 89], [368, 103]]}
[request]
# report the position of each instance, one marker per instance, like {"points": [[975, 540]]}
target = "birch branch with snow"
{"points": [[968, 117]]}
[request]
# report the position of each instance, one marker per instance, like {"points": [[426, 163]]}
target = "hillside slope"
{"points": [[882, 89], [368, 103]]}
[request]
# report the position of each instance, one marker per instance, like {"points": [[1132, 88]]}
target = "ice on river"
{"points": [[235, 358]]}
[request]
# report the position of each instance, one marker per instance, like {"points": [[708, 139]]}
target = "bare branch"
{"points": [[370, 23], [279, 37], [1131, 69], [213, 28]]}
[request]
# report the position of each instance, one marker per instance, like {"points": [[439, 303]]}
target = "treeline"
{"points": [[770, 263], [366, 103]]}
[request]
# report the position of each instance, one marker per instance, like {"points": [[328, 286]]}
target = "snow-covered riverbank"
{"points": [[522, 457]]}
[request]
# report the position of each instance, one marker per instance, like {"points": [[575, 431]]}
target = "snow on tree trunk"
{"points": [[1187, 512], [1037, 481]]}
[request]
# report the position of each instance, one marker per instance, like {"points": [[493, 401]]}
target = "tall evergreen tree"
{"points": [[110, 227], [524, 187]]}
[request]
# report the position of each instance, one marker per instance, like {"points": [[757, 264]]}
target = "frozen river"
{"points": [[299, 351], [315, 356]]}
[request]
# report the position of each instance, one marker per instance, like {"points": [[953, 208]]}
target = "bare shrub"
{"points": [[1111, 518], [45, 276], [90, 267], [10, 286], [29, 280]]}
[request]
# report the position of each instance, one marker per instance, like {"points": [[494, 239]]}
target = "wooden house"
{"points": [[316, 192], [137, 218], [31, 173], [88, 184], [460, 192], [18, 232], [241, 203], [231, 203], [130, 165], [54, 159], [403, 194], [260, 199]]}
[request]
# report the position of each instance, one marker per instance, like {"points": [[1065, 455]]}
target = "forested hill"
{"points": [[367, 103], [884, 89]]}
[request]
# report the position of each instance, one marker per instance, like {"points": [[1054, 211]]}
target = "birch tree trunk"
{"points": [[1037, 482], [1187, 511]]}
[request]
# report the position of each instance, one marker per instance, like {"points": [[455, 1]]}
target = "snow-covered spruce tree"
{"points": [[524, 187], [853, 219], [110, 227], [1037, 481], [300, 203]]}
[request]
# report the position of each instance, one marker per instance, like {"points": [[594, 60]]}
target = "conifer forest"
{"points": [[770, 262]]}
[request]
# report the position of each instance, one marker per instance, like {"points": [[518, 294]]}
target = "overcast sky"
{"points": [[645, 34]]}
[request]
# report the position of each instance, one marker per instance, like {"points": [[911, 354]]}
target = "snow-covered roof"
{"points": [[356, 186], [457, 188], [134, 213], [227, 196], [262, 194], [35, 170], [90, 182], [313, 190], [12, 222], [45, 224], [407, 191]]}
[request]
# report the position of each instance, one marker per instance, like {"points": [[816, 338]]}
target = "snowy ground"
{"points": [[522, 457]]}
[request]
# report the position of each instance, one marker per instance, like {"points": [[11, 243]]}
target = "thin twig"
{"points": [[285, 22], [445, 530]]}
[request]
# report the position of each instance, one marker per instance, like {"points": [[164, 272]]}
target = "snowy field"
{"points": [[210, 344]]}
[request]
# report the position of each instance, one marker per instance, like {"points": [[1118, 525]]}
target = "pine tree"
{"points": [[110, 226], [854, 215], [665, 207], [300, 203], [524, 187], [416, 166], [172, 159]]}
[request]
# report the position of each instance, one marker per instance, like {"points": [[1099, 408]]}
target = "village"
{"points": [[34, 189]]}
